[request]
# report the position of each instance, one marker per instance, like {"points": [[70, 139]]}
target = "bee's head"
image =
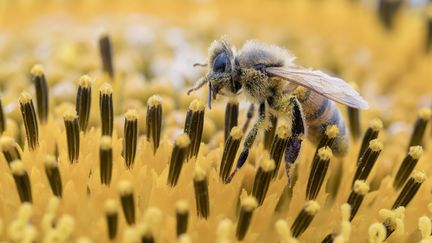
{"points": [[222, 73]]}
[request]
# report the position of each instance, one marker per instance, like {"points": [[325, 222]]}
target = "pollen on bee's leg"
{"points": [[262, 180], [125, 190], [371, 133], [231, 117], [22, 181], [182, 217], [355, 199], [83, 102], [41, 88], [318, 172], [106, 55], [53, 174], [10, 149], [105, 160], [232, 143], [367, 161], [248, 205], [304, 218], [249, 115], [278, 147], [111, 216], [130, 137], [407, 166], [202, 200], [291, 153], [194, 127], [178, 157], [269, 133], [106, 109], [423, 117], [154, 120], [409, 190], [72, 135], [30, 120]]}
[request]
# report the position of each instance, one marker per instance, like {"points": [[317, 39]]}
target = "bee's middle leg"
{"points": [[297, 133], [250, 139]]}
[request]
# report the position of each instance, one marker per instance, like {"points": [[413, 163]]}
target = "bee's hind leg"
{"points": [[249, 115], [250, 138], [297, 133]]}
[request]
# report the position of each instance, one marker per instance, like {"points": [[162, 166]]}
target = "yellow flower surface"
{"points": [[153, 173]]}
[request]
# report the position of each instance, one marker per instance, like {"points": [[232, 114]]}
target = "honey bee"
{"points": [[266, 75]]}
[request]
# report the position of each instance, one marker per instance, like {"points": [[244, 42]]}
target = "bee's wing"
{"points": [[333, 88]]}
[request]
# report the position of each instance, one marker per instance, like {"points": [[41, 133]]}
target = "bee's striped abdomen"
{"points": [[320, 112]]}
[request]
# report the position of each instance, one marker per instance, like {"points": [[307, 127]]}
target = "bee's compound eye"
{"points": [[220, 62]]}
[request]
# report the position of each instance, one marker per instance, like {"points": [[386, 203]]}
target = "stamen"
{"points": [[354, 119], [145, 233], [10, 149], [278, 147], [248, 205], [318, 172], [22, 181], [262, 180], [178, 156], [106, 54], [2, 119], [72, 135], [111, 215], [127, 201], [304, 218], [284, 232], [83, 102], [154, 120], [53, 174], [182, 217], [194, 126], [105, 160], [269, 133], [428, 32], [367, 161], [393, 220], [371, 133], [410, 189], [356, 197], [377, 233], [201, 193], [130, 137], [231, 117], [232, 144], [423, 117], [284, 201], [327, 138], [407, 166], [224, 231], [425, 227], [30, 121], [387, 10], [106, 109], [41, 87]]}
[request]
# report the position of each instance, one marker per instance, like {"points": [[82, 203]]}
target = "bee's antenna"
{"points": [[200, 65]]}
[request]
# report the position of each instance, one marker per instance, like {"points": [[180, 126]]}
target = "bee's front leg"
{"points": [[297, 133], [250, 138]]}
